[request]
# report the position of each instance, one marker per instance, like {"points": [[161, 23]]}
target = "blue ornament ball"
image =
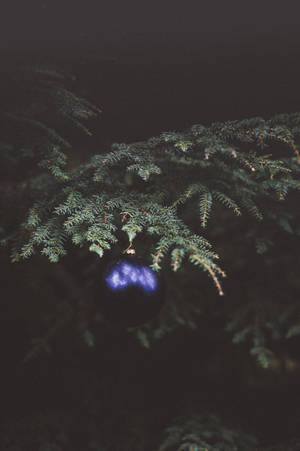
{"points": [[133, 293]]}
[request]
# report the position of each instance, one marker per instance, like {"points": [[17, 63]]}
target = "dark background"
{"points": [[167, 66]]}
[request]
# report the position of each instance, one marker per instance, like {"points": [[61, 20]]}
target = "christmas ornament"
{"points": [[132, 293]]}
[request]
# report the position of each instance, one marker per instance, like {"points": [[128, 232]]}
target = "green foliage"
{"points": [[92, 203], [238, 178], [205, 433]]}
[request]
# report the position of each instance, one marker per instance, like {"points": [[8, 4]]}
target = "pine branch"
{"points": [[211, 162]]}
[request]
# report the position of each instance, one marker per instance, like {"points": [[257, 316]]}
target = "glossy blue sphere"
{"points": [[132, 293]]}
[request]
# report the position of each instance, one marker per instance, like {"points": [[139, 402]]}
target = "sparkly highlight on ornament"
{"points": [[128, 274]]}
